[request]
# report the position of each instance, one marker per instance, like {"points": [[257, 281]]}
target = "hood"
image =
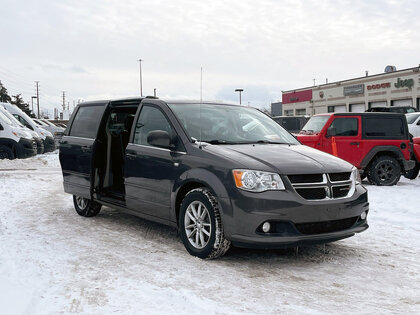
{"points": [[284, 159]]}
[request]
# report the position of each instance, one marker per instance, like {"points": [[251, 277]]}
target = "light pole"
{"points": [[141, 81], [240, 95], [32, 102]]}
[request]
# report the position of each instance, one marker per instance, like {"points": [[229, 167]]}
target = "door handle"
{"points": [[354, 143], [131, 156], [85, 148]]}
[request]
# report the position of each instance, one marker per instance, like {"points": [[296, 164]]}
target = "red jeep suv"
{"points": [[378, 144]]}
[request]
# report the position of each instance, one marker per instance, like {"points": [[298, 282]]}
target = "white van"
{"points": [[46, 136], [15, 142], [35, 136]]}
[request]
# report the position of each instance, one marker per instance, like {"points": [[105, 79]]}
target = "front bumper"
{"points": [[409, 164], [26, 148], [294, 221], [49, 144], [39, 145]]}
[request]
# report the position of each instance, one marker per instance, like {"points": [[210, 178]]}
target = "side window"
{"points": [[86, 122], [345, 126], [23, 121], [378, 127], [150, 119]]}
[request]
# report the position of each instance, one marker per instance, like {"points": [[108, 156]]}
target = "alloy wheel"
{"points": [[385, 171], [81, 202], [197, 224]]}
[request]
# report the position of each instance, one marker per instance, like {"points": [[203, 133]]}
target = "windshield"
{"points": [[15, 122], [411, 118], [229, 124], [5, 119], [315, 124]]}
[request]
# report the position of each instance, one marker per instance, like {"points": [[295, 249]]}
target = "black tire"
{"points": [[6, 153], [215, 245], [384, 171], [85, 207], [414, 172]]}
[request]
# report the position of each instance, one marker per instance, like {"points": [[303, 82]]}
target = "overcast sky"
{"points": [[89, 48]]}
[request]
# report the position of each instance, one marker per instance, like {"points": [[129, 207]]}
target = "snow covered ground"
{"points": [[54, 261]]}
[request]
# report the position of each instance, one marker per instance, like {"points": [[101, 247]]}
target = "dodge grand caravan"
{"points": [[223, 174]]}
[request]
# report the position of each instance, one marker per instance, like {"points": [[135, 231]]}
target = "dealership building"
{"points": [[392, 88]]}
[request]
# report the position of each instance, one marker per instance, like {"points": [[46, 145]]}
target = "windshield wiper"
{"points": [[270, 142], [216, 141]]}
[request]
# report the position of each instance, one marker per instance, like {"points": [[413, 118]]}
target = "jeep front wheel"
{"points": [[384, 171]]}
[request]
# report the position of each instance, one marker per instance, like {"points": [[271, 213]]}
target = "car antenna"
{"points": [[201, 100]]}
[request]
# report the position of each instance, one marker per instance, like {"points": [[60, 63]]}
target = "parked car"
{"points": [[45, 135], [220, 173], [413, 121], [61, 125], [414, 172], [293, 124], [14, 141], [57, 132], [378, 144], [395, 109]]}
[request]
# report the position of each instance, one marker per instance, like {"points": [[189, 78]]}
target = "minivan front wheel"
{"points": [[86, 207], [200, 225]]}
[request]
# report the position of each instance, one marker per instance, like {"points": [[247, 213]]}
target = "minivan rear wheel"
{"points": [[200, 225], [384, 171], [6, 153], [86, 207]]}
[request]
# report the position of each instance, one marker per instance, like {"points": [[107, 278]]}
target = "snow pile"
{"points": [[54, 261]]}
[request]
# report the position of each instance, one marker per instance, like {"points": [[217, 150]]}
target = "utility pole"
{"points": [[141, 81], [37, 96], [64, 101]]}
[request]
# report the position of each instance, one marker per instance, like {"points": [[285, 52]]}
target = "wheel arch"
{"points": [[11, 144], [393, 151], [194, 179]]}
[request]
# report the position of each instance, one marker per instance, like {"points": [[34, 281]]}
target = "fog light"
{"points": [[266, 227], [363, 215]]}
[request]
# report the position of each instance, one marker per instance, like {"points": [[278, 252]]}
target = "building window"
{"points": [[301, 111], [288, 112], [331, 109]]}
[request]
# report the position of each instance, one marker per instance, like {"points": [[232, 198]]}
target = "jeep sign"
{"points": [[404, 83]]}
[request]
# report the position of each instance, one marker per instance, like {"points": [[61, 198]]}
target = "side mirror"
{"points": [[331, 132], [160, 139], [1, 127]]}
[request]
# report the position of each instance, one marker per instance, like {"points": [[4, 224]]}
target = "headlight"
{"points": [[19, 134], [356, 175], [257, 181]]}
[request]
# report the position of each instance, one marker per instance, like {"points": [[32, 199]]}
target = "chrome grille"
{"points": [[323, 186]]}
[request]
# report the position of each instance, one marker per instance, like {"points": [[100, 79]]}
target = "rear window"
{"points": [[290, 123], [384, 127], [86, 122]]}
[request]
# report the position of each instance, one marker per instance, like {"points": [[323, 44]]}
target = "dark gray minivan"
{"points": [[223, 174]]}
